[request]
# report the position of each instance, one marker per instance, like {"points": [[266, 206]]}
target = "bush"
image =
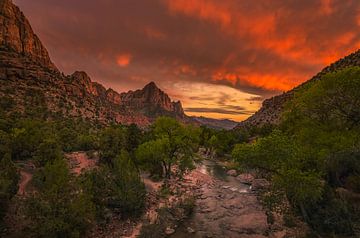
{"points": [[9, 178], [112, 141], [48, 151], [60, 208], [117, 187]]}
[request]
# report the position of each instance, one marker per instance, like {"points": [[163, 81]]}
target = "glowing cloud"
{"points": [[123, 60], [260, 48]]}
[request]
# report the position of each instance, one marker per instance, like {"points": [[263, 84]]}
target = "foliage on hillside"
{"points": [[313, 157]]}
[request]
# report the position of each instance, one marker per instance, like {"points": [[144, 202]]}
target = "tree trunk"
{"points": [[304, 214]]}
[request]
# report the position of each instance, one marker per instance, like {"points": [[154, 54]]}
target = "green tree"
{"points": [[4, 143], [9, 178], [153, 156], [281, 158], [118, 187], [87, 142], [213, 144], [112, 142], [133, 137], [60, 208], [48, 150], [174, 144], [316, 152]]}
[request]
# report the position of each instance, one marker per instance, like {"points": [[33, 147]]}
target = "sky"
{"points": [[221, 58]]}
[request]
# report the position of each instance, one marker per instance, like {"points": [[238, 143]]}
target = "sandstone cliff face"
{"points": [[30, 80], [16, 35], [152, 101], [270, 112]]}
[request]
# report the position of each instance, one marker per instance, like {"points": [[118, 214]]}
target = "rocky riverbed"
{"points": [[227, 206], [224, 206]]}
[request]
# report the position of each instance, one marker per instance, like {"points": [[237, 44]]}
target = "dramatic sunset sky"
{"points": [[221, 58]]}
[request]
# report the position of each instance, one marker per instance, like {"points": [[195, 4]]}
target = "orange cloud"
{"points": [[278, 81], [123, 60], [326, 7], [154, 33], [263, 29], [203, 9]]}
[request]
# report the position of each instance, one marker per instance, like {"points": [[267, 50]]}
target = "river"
{"points": [[224, 208]]}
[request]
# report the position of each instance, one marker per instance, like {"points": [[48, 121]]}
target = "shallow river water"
{"points": [[225, 208]]}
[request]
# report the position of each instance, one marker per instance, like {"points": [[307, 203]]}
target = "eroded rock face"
{"points": [[152, 101], [30, 79], [16, 35], [271, 109]]}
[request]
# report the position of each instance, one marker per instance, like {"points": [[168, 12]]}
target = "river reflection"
{"points": [[213, 169], [224, 183], [219, 172]]}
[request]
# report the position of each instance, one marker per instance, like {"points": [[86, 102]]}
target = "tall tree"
{"points": [[174, 144]]}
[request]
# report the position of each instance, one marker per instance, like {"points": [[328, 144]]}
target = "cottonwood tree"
{"points": [[174, 144]]}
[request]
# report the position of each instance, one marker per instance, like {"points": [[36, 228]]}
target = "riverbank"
{"points": [[225, 207]]}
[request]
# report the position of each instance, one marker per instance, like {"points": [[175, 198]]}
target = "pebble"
{"points": [[190, 230], [169, 231]]}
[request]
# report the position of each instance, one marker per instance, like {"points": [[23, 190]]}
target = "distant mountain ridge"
{"points": [[216, 123], [271, 109], [29, 78]]}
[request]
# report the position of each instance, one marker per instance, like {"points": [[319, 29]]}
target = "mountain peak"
{"points": [[152, 86], [16, 35]]}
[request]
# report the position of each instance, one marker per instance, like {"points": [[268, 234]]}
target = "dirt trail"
{"points": [[24, 181], [80, 161]]}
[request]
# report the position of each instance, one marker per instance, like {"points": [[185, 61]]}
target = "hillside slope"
{"points": [[272, 108]]}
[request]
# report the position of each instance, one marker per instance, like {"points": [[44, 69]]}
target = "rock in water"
{"points": [[232, 172], [245, 178], [190, 230], [169, 231], [259, 184]]}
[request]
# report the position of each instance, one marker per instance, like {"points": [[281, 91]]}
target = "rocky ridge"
{"points": [[29, 78], [216, 123], [31, 82], [270, 112]]}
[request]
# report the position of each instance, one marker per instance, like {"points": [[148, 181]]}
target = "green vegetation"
{"points": [[221, 142], [63, 204], [60, 208], [312, 158], [116, 187], [173, 144], [8, 184]]}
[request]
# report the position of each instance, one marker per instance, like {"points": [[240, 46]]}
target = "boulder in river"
{"points": [[259, 184], [232, 172], [169, 231], [245, 178], [190, 230]]}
